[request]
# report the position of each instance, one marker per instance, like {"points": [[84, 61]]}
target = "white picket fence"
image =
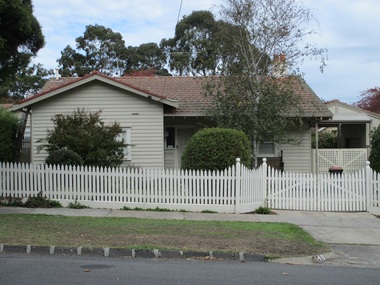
{"points": [[353, 191], [234, 190]]}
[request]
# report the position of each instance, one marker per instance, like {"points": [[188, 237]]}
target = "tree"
{"points": [[20, 38], [216, 149], [374, 157], [27, 81], [256, 95], [99, 49], [147, 58], [194, 50], [8, 135], [370, 100], [326, 139], [86, 134]]}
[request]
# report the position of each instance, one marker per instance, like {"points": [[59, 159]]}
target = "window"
{"points": [[266, 149], [170, 137], [126, 135]]}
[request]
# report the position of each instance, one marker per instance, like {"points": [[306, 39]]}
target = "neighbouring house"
{"points": [[158, 115], [353, 126]]}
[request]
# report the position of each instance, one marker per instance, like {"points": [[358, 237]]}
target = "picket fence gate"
{"points": [[347, 192], [236, 189]]}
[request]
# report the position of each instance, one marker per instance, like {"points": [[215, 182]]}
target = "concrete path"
{"points": [[354, 237]]}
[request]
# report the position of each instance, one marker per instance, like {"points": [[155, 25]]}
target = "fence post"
{"points": [[368, 185], [264, 181], [237, 186]]}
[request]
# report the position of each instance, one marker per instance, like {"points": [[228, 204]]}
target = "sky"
{"points": [[348, 29]]}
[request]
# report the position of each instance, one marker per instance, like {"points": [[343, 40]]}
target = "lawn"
{"points": [[270, 239]]}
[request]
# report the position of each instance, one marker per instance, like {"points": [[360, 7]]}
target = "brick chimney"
{"points": [[280, 67]]}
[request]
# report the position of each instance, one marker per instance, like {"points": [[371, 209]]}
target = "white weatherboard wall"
{"points": [[297, 156], [143, 115]]}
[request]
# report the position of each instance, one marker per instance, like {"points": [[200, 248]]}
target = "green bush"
{"points": [[326, 139], [8, 135], [374, 157], [77, 205], [85, 133], [216, 149], [64, 157], [263, 210], [41, 202]]}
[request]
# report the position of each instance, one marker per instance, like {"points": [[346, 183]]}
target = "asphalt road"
{"points": [[18, 269]]}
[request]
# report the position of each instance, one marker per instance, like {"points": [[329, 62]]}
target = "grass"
{"points": [[271, 239]]}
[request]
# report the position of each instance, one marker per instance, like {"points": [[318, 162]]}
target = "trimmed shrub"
{"points": [[64, 157], [216, 149], [374, 157], [8, 135]]}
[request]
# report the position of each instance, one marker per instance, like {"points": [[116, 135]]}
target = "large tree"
{"points": [[8, 135], [148, 58], [20, 38], [267, 39], [370, 100], [99, 49], [27, 81], [195, 47]]}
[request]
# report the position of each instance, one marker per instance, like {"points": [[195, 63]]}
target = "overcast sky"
{"points": [[349, 29]]}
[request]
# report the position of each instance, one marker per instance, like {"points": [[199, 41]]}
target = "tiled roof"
{"points": [[189, 92]]}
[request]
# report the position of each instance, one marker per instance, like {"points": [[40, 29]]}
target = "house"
{"points": [[353, 126], [158, 115]]}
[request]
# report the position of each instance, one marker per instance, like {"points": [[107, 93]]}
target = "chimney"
{"points": [[280, 68], [57, 73]]}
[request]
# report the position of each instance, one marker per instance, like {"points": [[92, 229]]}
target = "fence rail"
{"points": [[323, 192], [233, 190]]}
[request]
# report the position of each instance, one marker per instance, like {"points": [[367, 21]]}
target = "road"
{"points": [[18, 269]]}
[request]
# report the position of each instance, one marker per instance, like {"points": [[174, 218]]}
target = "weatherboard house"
{"points": [[158, 116]]}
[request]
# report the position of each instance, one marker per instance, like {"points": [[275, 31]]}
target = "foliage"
{"points": [[30, 80], [9, 123], [64, 157], [99, 49], [256, 94], [157, 209], [263, 211], [41, 202], [11, 201], [192, 50], [144, 58], [86, 134], [209, 212], [326, 139], [20, 38], [370, 100], [374, 157], [77, 205], [104, 50], [216, 149]]}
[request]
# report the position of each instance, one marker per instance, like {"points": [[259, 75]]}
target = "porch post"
{"points": [[316, 148]]}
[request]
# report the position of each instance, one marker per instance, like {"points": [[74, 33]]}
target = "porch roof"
{"points": [[347, 118]]}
